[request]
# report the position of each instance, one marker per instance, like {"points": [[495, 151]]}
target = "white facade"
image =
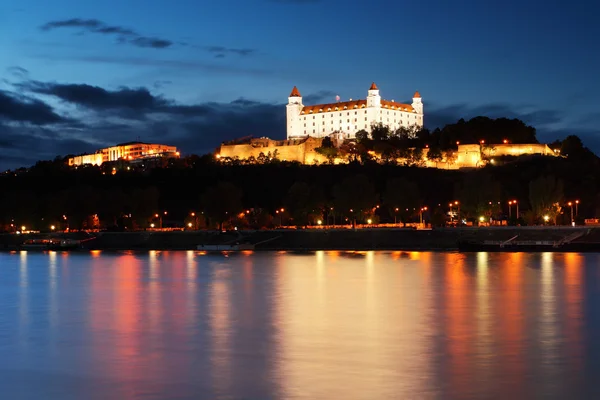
{"points": [[349, 117]]}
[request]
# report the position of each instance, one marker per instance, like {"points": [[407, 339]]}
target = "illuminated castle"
{"points": [[348, 117]]}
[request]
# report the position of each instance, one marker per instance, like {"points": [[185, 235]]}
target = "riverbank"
{"points": [[444, 239]]}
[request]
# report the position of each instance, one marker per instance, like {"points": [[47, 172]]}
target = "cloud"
{"points": [[321, 96], [191, 65], [28, 110], [221, 51], [437, 117], [124, 35], [129, 36], [18, 72]]}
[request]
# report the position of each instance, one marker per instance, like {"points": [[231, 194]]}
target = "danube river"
{"points": [[325, 325]]}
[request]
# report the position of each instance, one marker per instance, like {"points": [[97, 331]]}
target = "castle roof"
{"points": [[417, 95], [373, 86], [295, 92], [354, 104]]}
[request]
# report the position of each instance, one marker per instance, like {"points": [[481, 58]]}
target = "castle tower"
{"points": [[293, 110], [373, 97], [417, 104]]}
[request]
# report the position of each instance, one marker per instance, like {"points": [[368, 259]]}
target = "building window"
{"points": [[313, 131], [348, 121], [347, 113], [305, 125], [365, 118], [365, 111], [355, 112], [313, 117], [313, 124]]}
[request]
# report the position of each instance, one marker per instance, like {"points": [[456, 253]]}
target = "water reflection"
{"points": [[283, 325]]}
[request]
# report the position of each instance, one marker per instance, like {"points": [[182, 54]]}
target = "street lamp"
{"points": [[421, 214], [571, 205], [546, 218], [395, 216], [52, 227], [577, 208]]}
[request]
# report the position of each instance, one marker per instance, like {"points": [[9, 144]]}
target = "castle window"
{"points": [[365, 118], [348, 121], [313, 131], [305, 131], [365, 111], [313, 124], [305, 125], [313, 117], [347, 112]]}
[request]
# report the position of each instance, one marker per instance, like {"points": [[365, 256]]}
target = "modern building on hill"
{"points": [[348, 117], [130, 151]]}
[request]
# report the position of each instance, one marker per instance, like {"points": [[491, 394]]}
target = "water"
{"points": [[373, 325]]}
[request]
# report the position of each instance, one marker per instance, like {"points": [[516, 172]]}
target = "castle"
{"points": [[348, 117]]}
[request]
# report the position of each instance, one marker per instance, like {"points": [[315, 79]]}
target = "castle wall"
{"points": [[302, 151]]}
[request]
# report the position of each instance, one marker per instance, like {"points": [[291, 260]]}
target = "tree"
{"points": [[478, 194], [330, 152], [355, 196], [434, 154], [380, 132], [546, 196], [298, 202], [222, 201], [362, 135], [327, 142], [401, 197]]}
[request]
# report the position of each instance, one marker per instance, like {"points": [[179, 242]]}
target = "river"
{"points": [[324, 325]]}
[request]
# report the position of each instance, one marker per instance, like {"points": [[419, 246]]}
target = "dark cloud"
{"points": [[23, 109], [129, 36], [321, 96], [18, 72], [133, 103], [437, 117], [191, 65], [161, 84], [221, 52], [124, 35]]}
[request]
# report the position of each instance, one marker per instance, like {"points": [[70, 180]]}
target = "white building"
{"points": [[348, 117]]}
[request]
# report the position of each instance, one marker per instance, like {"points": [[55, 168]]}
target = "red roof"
{"points": [[295, 92], [373, 86], [417, 95], [354, 104]]}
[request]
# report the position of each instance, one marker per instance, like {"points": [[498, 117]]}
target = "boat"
{"points": [[49, 244]]}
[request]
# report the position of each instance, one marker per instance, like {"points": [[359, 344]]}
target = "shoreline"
{"points": [[529, 239]]}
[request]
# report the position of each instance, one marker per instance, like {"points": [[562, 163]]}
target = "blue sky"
{"points": [[236, 62]]}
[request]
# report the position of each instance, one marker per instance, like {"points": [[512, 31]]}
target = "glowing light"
{"points": [[546, 218], [189, 224], [319, 222], [369, 221], [23, 228], [151, 225], [52, 227], [481, 219]]}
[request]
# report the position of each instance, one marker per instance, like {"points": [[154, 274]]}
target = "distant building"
{"points": [[348, 117], [126, 151]]}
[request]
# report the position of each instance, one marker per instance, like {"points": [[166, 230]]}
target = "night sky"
{"points": [[76, 76]]}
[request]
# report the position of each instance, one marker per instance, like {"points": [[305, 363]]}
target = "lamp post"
{"points": [[457, 203], [510, 210], [396, 216], [193, 215], [517, 204], [577, 208], [571, 205], [421, 214]]}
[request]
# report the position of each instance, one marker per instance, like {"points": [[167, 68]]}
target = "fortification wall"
{"points": [[302, 151]]}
